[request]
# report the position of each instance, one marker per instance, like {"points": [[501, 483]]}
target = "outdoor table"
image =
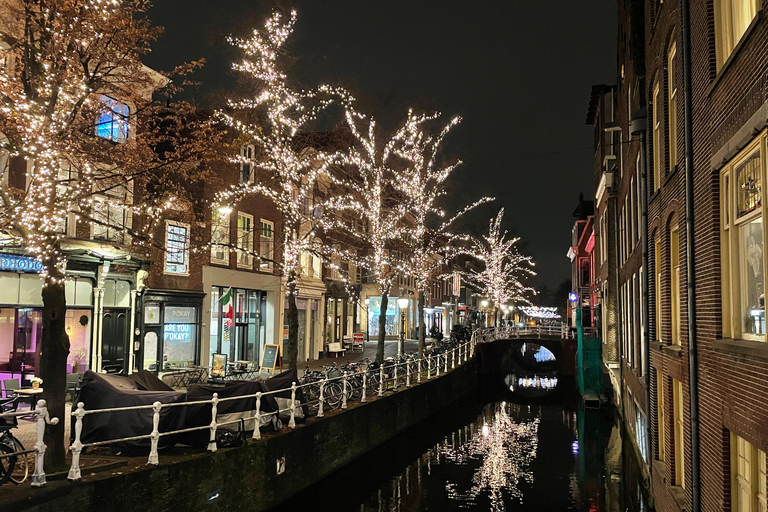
{"points": [[28, 395]]}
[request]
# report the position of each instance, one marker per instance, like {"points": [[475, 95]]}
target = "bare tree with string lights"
{"points": [[503, 278], [89, 124], [288, 169], [431, 239]]}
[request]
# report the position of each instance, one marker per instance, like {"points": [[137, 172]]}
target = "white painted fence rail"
{"points": [[387, 377], [487, 334], [42, 418]]}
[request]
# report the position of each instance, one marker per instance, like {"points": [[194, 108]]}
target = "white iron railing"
{"points": [[42, 418], [526, 331], [319, 394]]}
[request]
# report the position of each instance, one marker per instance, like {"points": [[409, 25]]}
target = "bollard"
{"points": [[394, 383], [365, 385], [453, 359], [77, 446], [214, 412], [155, 436], [38, 477], [292, 421], [381, 379], [321, 399], [408, 374], [257, 429], [418, 375], [344, 391]]}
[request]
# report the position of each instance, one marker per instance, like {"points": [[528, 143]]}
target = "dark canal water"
{"points": [[522, 444]]}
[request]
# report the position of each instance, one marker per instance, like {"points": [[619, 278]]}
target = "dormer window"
{"points": [[113, 120]]}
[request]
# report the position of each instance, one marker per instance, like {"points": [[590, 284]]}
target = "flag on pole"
{"points": [[226, 302]]}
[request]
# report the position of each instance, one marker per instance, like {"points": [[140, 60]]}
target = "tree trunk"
{"points": [[382, 327], [54, 350], [422, 324], [292, 345]]}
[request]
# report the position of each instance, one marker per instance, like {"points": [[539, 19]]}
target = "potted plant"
{"points": [[36, 381]]}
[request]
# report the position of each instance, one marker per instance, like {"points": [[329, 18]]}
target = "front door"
{"points": [[114, 346]]}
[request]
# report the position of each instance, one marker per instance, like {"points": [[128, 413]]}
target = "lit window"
{"points": [[674, 281], [176, 248], [672, 95], [246, 158], [266, 244], [732, 18], [656, 137], [748, 476], [244, 240], [113, 120], [111, 215], [219, 237], [677, 404], [660, 414]]}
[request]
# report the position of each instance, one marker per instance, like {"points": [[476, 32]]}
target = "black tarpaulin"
{"points": [[149, 381], [284, 381]]}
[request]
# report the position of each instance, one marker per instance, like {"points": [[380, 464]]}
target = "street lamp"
{"points": [[484, 304], [402, 302], [367, 319]]}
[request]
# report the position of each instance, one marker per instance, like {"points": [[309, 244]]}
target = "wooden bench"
{"points": [[335, 350]]}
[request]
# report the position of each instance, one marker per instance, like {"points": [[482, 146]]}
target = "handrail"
{"points": [[387, 374], [42, 418]]}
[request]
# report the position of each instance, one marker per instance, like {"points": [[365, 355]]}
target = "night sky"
{"points": [[518, 73]]}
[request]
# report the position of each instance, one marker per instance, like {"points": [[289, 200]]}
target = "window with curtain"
{"points": [[656, 137], [732, 18], [244, 240], [266, 243], [672, 106], [176, 248], [113, 120], [219, 237]]}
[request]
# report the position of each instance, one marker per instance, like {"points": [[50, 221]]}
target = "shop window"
{"points": [[176, 248], [30, 290], [374, 309], [732, 18], [244, 240], [7, 319], [743, 241], [748, 476], [179, 337], [219, 237], [78, 326], [113, 120]]}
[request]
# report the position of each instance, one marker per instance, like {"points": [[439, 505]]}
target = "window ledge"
{"points": [[176, 274], [674, 350], [727, 64], [680, 497], [742, 347]]}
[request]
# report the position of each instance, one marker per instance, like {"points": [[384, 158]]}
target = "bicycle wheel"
{"points": [[6, 463], [355, 388], [372, 382], [333, 396], [21, 470]]}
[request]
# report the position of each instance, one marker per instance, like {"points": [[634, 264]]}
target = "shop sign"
{"points": [[177, 332], [19, 263], [179, 315]]}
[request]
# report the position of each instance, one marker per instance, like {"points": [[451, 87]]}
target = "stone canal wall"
{"points": [[246, 478]]}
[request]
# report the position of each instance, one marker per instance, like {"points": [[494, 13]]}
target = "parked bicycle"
{"points": [[12, 467]]}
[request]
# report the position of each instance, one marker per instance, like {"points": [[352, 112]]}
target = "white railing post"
{"points": [[43, 418], [438, 365], [408, 374], [418, 375], [445, 370], [429, 366], [365, 385], [344, 391], [155, 436], [257, 429], [292, 421], [381, 379], [453, 359], [394, 383], [321, 399], [77, 446], [214, 425]]}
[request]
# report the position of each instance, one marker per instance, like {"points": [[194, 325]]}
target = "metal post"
{"points": [[445, 370], [381, 379], [155, 436], [38, 477], [429, 367], [365, 385], [438, 366], [321, 399], [407, 374], [214, 412], [292, 421], [394, 383], [418, 375], [77, 446], [257, 429], [453, 358], [343, 393]]}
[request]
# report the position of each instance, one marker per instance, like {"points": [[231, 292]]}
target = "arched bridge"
{"points": [[495, 346]]}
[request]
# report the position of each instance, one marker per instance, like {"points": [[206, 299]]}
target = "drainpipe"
{"points": [[639, 126], [693, 358]]}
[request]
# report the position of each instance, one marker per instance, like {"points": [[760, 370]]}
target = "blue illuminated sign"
{"points": [[573, 297], [19, 263], [178, 332]]}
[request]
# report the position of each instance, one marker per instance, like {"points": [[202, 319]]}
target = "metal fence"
{"points": [[42, 418], [513, 331], [319, 395]]}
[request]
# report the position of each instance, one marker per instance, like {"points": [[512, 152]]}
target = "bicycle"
{"points": [[12, 467]]}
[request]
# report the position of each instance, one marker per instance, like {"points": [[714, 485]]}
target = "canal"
{"points": [[522, 443]]}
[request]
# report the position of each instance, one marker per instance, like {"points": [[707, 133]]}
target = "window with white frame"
{"points": [[679, 431], [743, 241], [111, 214], [672, 106], [674, 282], [246, 163], [657, 289], [660, 414], [66, 177], [656, 137], [266, 244], [732, 18], [113, 120], [244, 240], [219, 237], [748, 476], [176, 248]]}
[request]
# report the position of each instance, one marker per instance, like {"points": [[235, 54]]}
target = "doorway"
{"points": [[114, 346]]}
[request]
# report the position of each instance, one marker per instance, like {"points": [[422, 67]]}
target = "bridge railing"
{"points": [[319, 395], [506, 332]]}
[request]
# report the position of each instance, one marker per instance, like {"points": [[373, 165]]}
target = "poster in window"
{"points": [[152, 314]]}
